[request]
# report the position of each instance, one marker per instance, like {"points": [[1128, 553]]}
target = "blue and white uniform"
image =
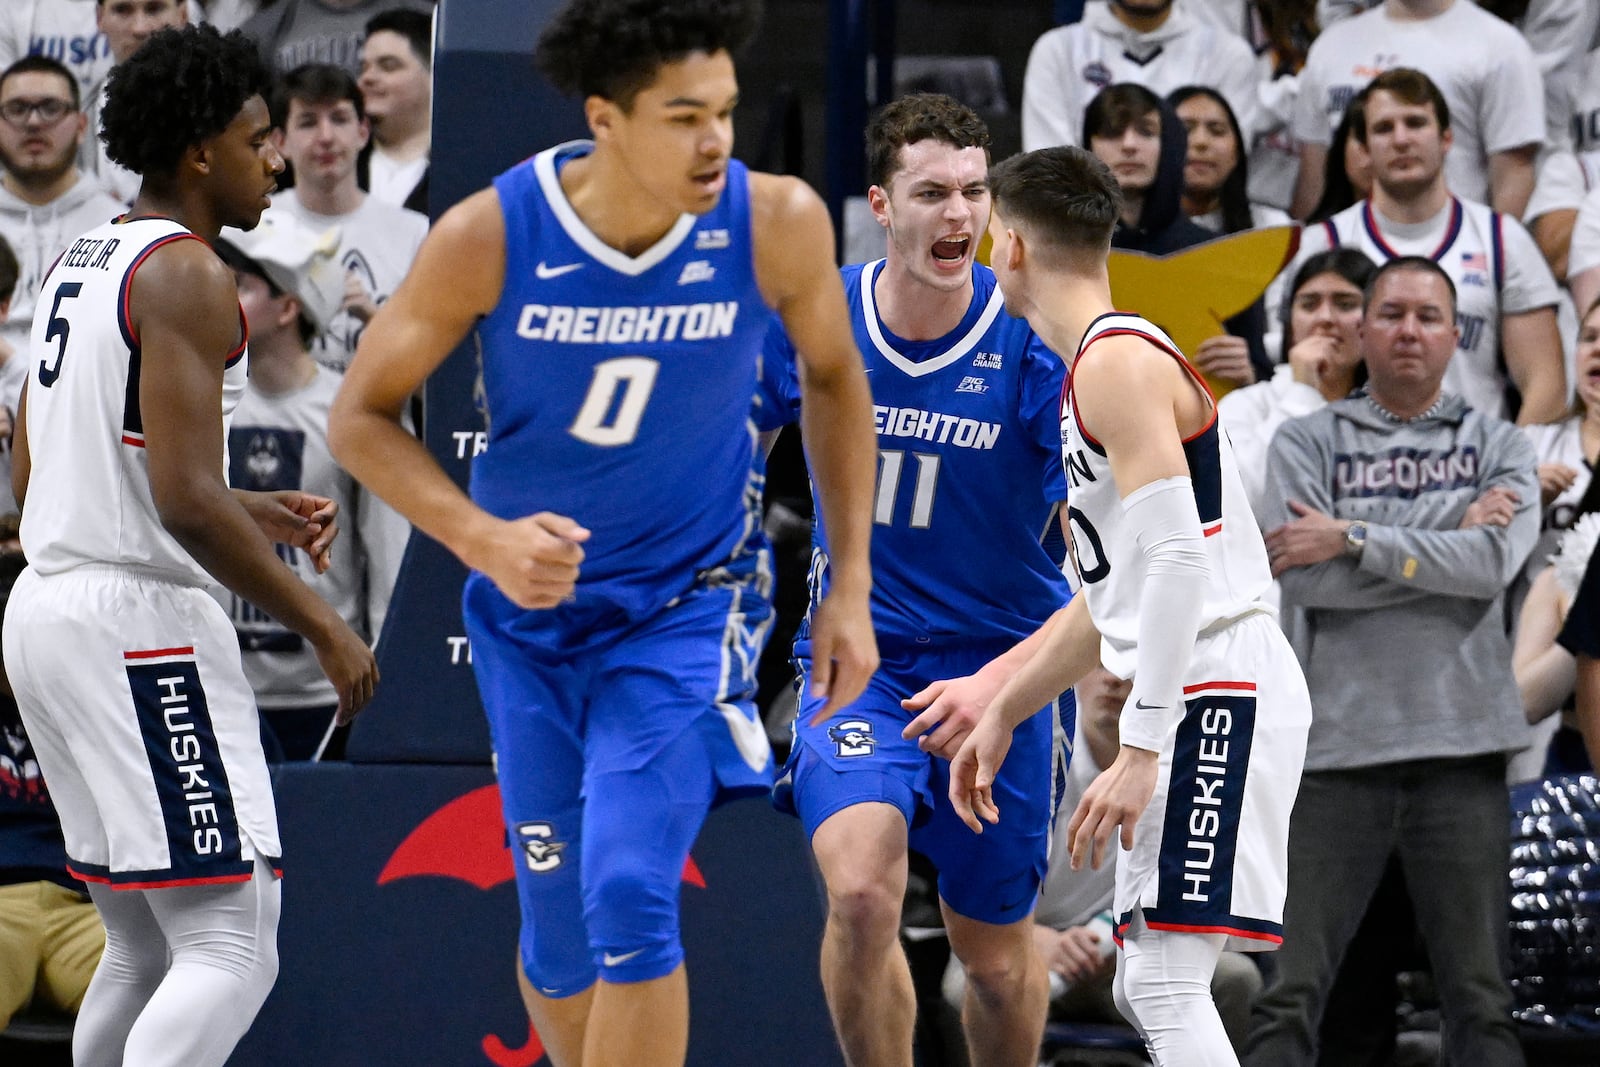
{"points": [[969, 484], [125, 669], [1210, 850], [618, 392]]}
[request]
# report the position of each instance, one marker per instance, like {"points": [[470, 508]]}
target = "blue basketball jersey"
{"points": [[617, 388], [969, 467]]}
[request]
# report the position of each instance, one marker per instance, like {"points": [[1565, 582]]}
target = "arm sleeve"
{"points": [[1309, 121], [1166, 526]]}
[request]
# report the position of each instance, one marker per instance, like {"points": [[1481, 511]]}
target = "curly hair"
{"points": [[920, 117], [183, 86], [613, 48]]}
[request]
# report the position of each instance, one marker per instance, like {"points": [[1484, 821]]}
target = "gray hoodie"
{"points": [[1405, 652], [40, 233]]}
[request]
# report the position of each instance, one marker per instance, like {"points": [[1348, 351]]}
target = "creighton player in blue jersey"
{"points": [[969, 481], [620, 290]]}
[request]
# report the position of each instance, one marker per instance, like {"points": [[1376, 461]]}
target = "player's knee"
{"points": [[865, 905], [998, 976], [632, 914]]}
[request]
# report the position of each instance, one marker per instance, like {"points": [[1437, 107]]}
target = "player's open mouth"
{"points": [[710, 182], [951, 250]]}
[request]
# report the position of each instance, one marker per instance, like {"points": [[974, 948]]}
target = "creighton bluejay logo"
{"points": [[540, 851], [852, 738]]}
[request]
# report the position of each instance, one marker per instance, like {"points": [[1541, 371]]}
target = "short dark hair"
{"points": [[1420, 264], [920, 117], [414, 26], [183, 86], [1065, 198], [614, 48], [315, 83], [10, 271], [1116, 107], [1409, 87], [45, 65]]}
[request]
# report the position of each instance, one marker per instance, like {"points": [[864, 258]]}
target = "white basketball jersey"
{"points": [[1111, 563], [89, 495]]}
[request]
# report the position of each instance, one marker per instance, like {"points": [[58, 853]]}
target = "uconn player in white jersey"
{"points": [[1213, 733], [620, 290], [125, 669]]}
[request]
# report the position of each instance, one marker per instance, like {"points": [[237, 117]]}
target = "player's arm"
{"points": [[1532, 347], [455, 280], [1588, 705], [1142, 403], [21, 458], [1052, 658], [184, 310], [794, 263]]}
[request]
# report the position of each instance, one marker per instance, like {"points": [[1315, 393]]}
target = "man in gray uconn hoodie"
{"points": [[1398, 517]]}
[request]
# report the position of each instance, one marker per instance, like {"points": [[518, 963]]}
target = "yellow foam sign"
{"points": [[1190, 293]]}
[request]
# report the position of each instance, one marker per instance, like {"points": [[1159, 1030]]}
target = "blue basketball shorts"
{"points": [[608, 761], [859, 757]]}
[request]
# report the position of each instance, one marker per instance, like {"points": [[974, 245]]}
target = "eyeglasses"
{"points": [[50, 110]]}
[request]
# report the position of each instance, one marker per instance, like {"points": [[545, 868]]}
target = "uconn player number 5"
{"points": [[607, 420], [57, 331]]}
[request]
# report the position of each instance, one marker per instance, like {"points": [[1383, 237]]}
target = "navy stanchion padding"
{"points": [[399, 929], [491, 110]]}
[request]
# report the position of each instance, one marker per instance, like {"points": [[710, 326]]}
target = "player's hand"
{"points": [[949, 710], [1226, 357], [534, 561], [1117, 797], [1310, 537], [973, 769], [1310, 359], [291, 517], [357, 301], [1495, 506], [844, 652], [350, 666], [1554, 479]]}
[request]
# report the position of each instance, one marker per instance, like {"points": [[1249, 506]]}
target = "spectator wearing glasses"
{"points": [[45, 200]]}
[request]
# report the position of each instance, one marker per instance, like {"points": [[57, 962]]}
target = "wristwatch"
{"points": [[1355, 539]]}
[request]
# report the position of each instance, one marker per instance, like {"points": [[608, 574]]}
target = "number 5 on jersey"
{"points": [[57, 331]]}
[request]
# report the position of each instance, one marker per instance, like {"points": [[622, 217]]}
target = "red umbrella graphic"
{"points": [[466, 840]]}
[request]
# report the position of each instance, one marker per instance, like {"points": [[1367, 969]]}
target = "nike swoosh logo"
{"points": [[545, 273], [1142, 706], [617, 961]]}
